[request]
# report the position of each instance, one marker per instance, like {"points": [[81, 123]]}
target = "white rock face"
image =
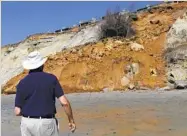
{"points": [[178, 32], [11, 62], [90, 34], [176, 48]]}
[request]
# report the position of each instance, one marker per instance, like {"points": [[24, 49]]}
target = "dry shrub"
{"points": [[117, 24]]}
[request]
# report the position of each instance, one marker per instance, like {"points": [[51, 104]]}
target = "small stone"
{"points": [[109, 46], [144, 88], [155, 21], [131, 86], [135, 68], [166, 88], [128, 69], [118, 42], [180, 84], [125, 81], [74, 50], [80, 54], [136, 47], [105, 90], [153, 72], [114, 132]]}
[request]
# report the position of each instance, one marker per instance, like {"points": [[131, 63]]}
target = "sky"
{"points": [[20, 19]]}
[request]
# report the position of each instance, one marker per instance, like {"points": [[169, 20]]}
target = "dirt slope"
{"points": [[100, 65]]}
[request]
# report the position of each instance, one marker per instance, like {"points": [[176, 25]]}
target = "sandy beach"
{"points": [[142, 113]]}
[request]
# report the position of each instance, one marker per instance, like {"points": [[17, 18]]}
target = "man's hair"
{"points": [[40, 69]]}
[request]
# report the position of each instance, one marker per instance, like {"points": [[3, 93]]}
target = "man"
{"points": [[35, 100]]}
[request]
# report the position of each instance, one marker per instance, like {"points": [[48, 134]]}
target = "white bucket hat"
{"points": [[33, 61]]}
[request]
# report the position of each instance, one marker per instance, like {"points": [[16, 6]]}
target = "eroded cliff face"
{"points": [[176, 52], [116, 63], [103, 65], [47, 44]]}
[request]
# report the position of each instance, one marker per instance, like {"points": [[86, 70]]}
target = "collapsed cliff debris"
{"points": [[115, 63], [94, 67]]}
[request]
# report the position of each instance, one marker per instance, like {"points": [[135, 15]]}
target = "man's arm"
{"points": [[19, 100], [67, 107], [59, 93]]}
